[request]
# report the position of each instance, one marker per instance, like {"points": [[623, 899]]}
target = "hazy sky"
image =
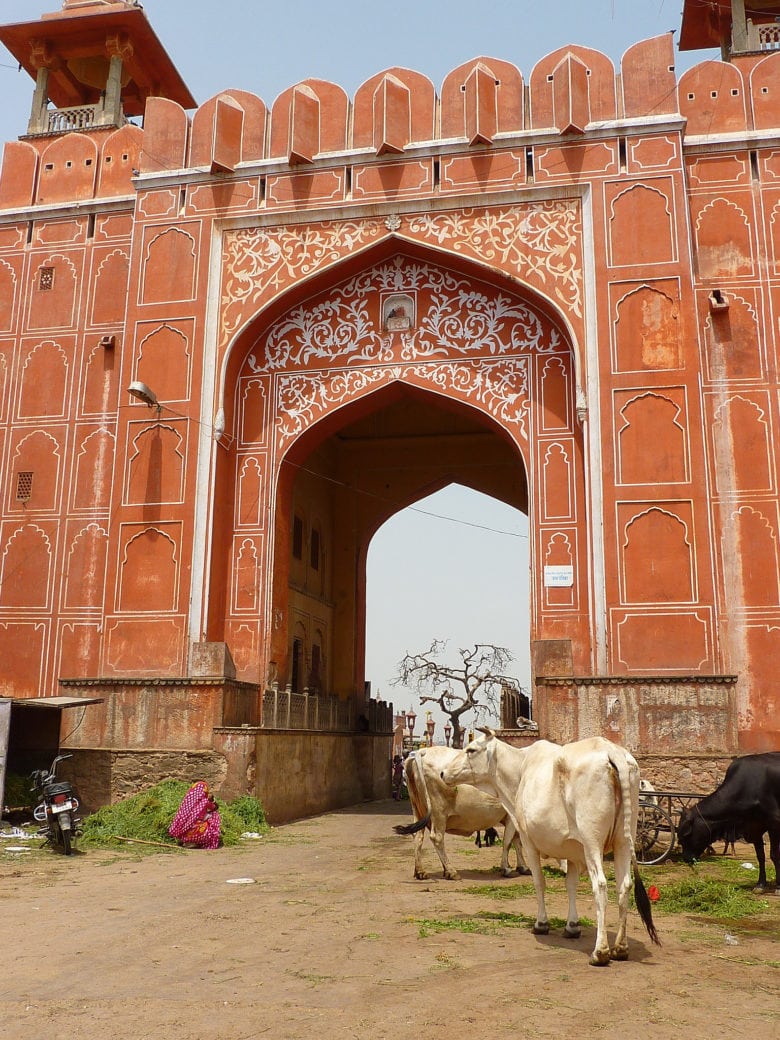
{"points": [[461, 574]]}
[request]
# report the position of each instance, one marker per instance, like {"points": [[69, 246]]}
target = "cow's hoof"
{"points": [[452, 875], [541, 929], [524, 871], [761, 890], [420, 875], [619, 953], [572, 930], [599, 958]]}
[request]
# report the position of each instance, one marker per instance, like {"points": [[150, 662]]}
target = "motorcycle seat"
{"points": [[51, 789]]}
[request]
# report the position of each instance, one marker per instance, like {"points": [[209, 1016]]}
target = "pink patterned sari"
{"points": [[197, 823]]}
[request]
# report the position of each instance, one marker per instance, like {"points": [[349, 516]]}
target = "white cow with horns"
{"points": [[446, 811], [574, 802]]}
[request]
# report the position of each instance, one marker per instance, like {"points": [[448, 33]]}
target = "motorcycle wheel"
{"points": [[65, 834]]}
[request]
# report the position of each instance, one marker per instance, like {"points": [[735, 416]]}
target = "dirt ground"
{"points": [[326, 943]]}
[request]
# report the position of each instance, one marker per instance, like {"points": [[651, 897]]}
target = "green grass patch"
{"points": [[483, 923], [501, 891], [473, 924], [710, 897], [148, 815]]}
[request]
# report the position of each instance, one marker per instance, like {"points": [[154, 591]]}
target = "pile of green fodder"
{"points": [[709, 897], [146, 817], [18, 791]]}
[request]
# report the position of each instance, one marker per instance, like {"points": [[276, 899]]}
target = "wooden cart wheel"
{"points": [[655, 834]]}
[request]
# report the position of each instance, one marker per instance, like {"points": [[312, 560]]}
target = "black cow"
{"points": [[747, 803]]}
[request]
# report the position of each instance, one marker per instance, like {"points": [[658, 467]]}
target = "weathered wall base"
{"points": [[686, 773], [298, 773], [293, 773], [103, 776], [160, 712], [649, 715]]}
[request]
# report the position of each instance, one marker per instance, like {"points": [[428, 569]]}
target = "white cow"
{"points": [[647, 792], [447, 811], [574, 802]]}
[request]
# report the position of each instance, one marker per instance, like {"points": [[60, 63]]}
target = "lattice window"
{"points": [[24, 482], [46, 279], [769, 36]]}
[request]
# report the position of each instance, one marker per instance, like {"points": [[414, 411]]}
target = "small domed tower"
{"points": [[94, 62], [736, 26]]}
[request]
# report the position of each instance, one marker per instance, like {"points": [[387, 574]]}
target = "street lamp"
{"points": [[447, 732], [430, 725], [142, 392], [410, 720]]}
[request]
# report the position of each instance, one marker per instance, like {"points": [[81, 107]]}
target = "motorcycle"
{"points": [[56, 808]]}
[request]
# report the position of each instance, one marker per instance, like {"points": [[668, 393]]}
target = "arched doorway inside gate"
{"points": [[345, 478]]}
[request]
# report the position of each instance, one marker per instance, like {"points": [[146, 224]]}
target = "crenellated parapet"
{"points": [[484, 108]]}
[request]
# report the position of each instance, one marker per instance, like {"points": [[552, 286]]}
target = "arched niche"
{"points": [[25, 568], [86, 568], [148, 572]]}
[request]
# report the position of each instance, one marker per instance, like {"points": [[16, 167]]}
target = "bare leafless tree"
{"points": [[473, 685]]}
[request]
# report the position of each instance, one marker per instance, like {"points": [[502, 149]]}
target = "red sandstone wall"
{"points": [[96, 563]]}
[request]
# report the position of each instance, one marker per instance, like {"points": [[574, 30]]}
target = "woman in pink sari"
{"points": [[197, 823]]}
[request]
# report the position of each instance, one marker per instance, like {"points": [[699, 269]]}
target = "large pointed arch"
{"points": [[398, 337]]}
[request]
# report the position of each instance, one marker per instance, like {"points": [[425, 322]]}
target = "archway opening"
{"points": [[454, 567], [340, 486]]}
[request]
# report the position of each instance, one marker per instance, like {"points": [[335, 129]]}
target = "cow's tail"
{"points": [[629, 809], [643, 905], [418, 795]]}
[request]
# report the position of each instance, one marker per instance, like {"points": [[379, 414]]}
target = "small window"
{"points": [[314, 675], [297, 538], [315, 550], [24, 483], [297, 661], [46, 279]]}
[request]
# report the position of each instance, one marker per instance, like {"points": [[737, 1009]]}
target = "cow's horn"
{"points": [[487, 731]]}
